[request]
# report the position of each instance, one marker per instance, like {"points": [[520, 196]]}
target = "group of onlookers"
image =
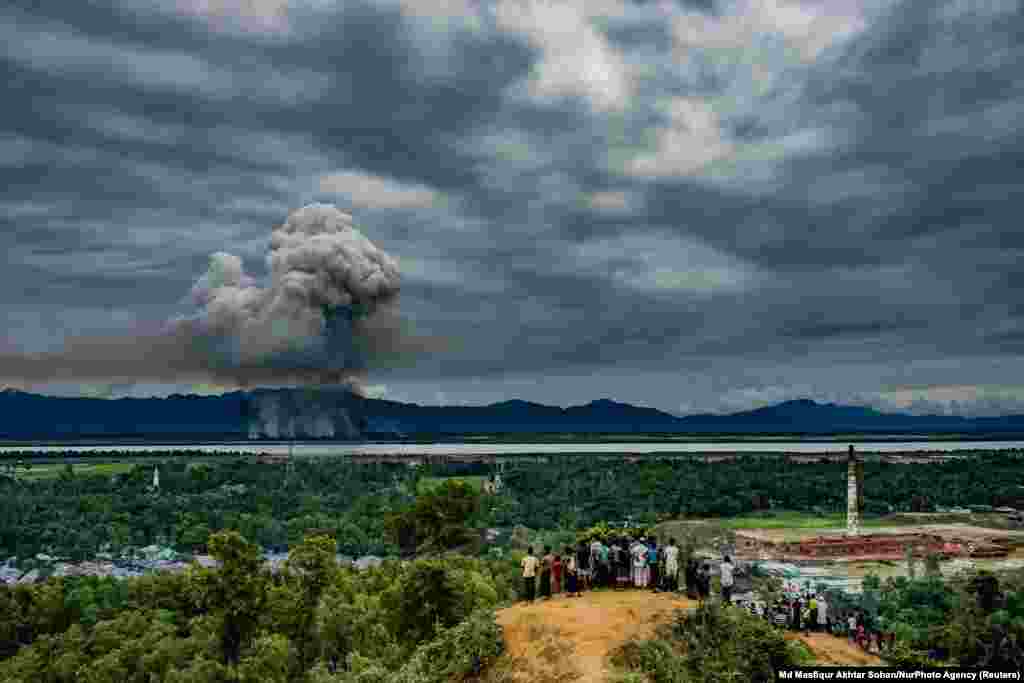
{"points": [[811, 613], [807, 612], [640, 563], [697, 577], [621, 563]]}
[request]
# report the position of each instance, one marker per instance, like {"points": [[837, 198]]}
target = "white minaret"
{"points": [[156, 477], [853, 494]]}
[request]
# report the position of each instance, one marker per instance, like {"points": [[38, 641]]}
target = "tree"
{"points": [[440, 517], [432, 593], [269, 661], [311, 567], [234, 592]]}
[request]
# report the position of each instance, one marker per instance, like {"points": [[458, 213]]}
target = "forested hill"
{"points": [[333, 413]]}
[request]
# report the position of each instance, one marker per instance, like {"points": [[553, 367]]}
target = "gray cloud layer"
{"points": [[730, 202]]}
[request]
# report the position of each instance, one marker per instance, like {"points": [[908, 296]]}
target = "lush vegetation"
{"points": [[976, 620], [276, 505], [272, 504], [313, 621], [316, 622], [712, 644], [440, 519], [575, 492]]}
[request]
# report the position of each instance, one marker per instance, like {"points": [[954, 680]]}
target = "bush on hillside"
{"points": [[712, 644]]}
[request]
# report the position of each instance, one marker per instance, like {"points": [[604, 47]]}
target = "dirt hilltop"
{"points": [[570, 638]]}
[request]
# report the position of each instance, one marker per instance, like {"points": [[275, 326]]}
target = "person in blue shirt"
{"points": [[652, 563]]}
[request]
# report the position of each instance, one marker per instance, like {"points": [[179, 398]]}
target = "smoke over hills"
{"points": [[325, 314], [312, 413]]}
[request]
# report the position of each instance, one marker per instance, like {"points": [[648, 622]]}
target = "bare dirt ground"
{"points": [[571, 638], [829, 650], [581, 631]]}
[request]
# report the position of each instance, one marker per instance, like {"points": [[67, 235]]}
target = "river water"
{"points": [[546, 448]]}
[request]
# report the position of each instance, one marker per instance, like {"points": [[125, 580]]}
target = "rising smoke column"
{"points": [[322, 317], [325, 277]]}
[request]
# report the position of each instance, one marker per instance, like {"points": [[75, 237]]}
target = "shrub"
{"points": [[456, 653], [712, 644]]}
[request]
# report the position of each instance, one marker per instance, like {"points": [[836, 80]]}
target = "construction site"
{"points": [[892, 543]]}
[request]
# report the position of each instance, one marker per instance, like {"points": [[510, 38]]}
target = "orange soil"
{"points": [[830, 650], [591, 627]]}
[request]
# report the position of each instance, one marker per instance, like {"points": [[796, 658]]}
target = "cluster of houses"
{"points": [[142, 561]]}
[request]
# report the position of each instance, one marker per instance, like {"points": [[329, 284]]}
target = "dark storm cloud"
{"points": [[858, 198]]}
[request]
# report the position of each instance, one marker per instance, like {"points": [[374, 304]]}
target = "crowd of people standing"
{"points": [[620, 563], [641, 563], [810, 612]]}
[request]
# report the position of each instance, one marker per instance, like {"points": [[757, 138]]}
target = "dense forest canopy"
{"points": [[315, 621], [276, 505]]}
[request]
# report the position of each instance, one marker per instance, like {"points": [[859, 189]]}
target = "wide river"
{"points": [[417, 449]]}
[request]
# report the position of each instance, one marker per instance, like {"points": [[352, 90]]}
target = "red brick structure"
{"points": [[751, 544]]}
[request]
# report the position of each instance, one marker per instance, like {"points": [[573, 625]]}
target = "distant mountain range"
{"points": [[332, 413]]}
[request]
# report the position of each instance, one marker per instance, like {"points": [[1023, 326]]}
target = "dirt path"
{"points": [[580, 632], [829, 650], [570, 638]]}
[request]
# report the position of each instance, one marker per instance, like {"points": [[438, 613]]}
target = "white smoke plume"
{"points": [[325, 315], [325, 277]]}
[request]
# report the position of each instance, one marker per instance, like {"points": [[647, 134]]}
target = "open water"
{"points": [[547, 448]]}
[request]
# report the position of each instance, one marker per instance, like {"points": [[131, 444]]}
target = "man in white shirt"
{"points": [[530, 564], [726, 569], [672, 565], [638, 551]]}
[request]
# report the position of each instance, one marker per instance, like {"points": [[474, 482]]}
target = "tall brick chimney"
{"points": [[854, 492]]}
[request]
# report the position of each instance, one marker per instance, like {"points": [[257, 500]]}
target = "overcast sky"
{"points": [[699, 205]]}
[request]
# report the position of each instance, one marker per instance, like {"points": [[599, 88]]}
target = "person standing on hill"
{"points": [[556, 574], [638, 552], [653, 559], [603, 566], [572, 573], [672, 565], [613, 563], [779, 616], [704, 582], [690, 575], [545, 573], [623, 564], [823, 615], [529, 563], [727, 569], [584, 565]]}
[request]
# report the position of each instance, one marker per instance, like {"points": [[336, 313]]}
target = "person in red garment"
{"points": [[556, 574]]}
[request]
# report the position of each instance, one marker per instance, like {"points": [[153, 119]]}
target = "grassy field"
{"points": [[427, 483], [792, 525], [105, 469], [801, 520]]}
